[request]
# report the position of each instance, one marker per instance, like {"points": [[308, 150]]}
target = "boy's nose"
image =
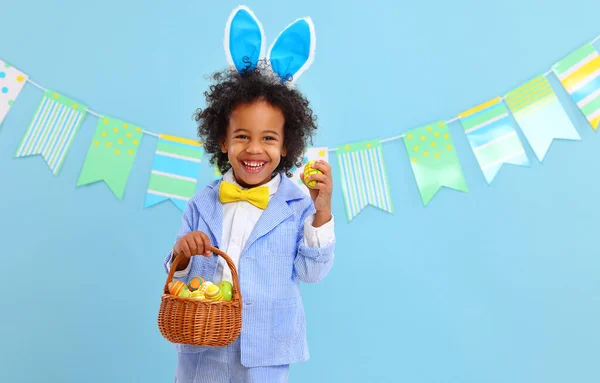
{"points": [[254, 148]]}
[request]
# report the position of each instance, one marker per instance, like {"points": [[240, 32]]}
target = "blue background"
{"points": [[499, 284]]}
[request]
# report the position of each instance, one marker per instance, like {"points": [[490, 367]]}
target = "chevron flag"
{"points": [[579, 74], [174, 171]]}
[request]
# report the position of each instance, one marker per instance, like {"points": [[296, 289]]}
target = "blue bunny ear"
{"points": [[244, 39], [293, 52]]}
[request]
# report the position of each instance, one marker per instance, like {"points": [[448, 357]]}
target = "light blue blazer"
{"points": [[273, 263]]}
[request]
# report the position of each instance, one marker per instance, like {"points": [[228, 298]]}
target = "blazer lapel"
{"points": [[277, 210], [212, 213]]}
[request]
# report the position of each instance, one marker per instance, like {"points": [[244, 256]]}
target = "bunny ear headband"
{"points": [[290, 55]]}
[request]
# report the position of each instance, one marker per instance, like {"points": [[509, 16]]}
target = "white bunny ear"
{"points": [[244, 40], [293, 52]]}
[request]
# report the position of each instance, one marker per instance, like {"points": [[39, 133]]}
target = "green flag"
{"points": [[434, 160], [111, 154]]}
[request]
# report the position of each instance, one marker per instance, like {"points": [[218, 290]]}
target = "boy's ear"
{"points": [[283, 151], [222, 145]]}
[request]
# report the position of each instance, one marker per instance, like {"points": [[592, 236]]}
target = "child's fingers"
{"points": [[322, 166], [206, 244], [198, 244], [183, 248], [318, 177]]}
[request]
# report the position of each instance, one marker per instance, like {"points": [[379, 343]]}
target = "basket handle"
{"points": [[234, 274]]}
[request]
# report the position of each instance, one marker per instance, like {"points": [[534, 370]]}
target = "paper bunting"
{"points": [[540, 115], [216, 172], [433, 159], [311, 154], [52, 129], [111, 154], [578, 73], [174, 171], [12, 82], [493, 137], [363, 177]]}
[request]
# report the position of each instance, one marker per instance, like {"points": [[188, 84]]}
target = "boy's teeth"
{"points": [[254, 164]]}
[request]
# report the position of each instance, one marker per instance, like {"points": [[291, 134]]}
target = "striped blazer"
{"points": [[272, 264]]}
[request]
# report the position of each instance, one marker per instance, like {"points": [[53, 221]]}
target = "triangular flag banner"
{"points": [[174, 171], [216, 172], [540, 115], [364, 179], [433, 159], [579, 74], [111, 154], [12, 82], [493, 137], [52, 129], [311, 154]]}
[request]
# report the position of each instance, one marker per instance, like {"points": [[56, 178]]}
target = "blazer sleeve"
{"points": [[312, 263], [189, 222]]}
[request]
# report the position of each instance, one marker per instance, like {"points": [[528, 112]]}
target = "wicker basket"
{"points": [[200, 322]]}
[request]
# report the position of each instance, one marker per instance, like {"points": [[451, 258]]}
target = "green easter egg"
{"points": [[185, 292], [227, 290]]}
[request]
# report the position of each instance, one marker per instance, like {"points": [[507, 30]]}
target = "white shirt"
{"points": [[239, 219]]}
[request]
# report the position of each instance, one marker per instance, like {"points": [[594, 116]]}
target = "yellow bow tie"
{"points": [[258, 196]]}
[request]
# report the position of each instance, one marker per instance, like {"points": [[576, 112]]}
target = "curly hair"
{"points": [[232, 88]]}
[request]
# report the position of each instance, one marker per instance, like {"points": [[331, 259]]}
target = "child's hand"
{"points": [[321, 195], [193, 243]]}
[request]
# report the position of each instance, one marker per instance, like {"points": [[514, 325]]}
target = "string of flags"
{"points": [[173, 176]]}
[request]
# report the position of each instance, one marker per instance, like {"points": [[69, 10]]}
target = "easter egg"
{"points": [[195, 283], [197, 294], [308, 171], [185, 292], [227, 290], [213, 293], [204, 286], [175, 287]]}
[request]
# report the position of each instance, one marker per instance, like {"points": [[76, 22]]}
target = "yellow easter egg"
{"points": [[205, 286], [308, 171], [197, 294], [213, 293]]}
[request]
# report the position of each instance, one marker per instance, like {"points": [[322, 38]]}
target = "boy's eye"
{"points": [[269, 138], [241, 136]]}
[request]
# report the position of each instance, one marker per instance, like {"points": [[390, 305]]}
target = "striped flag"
{"points": [[493, 137], [111, 154], [174, 171], [578, 73], [12, 82], [540, 115], [52, 129], [216, 172], [311, 154], [433, 159], [364, 179]]}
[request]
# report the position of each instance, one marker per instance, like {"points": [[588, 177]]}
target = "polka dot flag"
{"points": [[363, 177], [433, 159], [52, 129], [12, 82], [311, 154], [111, 154]]}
